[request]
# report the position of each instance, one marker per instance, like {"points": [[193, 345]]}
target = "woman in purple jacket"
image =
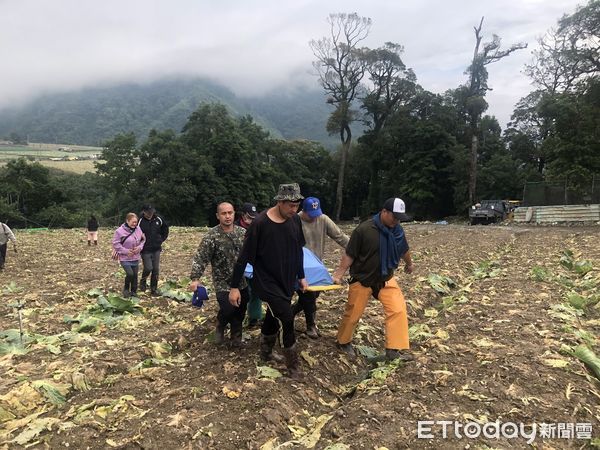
{"points": [[127, 242]]}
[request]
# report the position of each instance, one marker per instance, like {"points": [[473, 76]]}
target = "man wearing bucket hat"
{"points": [[316, 226], [273, 246], [375, 249]]}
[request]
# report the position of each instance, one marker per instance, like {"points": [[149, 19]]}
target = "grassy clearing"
{"points": [[76, 148], [44, 153], [78, 167]]}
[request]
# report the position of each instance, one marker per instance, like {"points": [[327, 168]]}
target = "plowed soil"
{"points": [[491, 344]]}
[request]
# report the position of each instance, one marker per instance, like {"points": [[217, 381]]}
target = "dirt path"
{"points": [[490, 348]]}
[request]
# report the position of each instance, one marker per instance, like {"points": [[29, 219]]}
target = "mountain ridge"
{"points": [[93, 115]]}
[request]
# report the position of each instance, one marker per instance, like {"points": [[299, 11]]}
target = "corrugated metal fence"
{"points": [[568, 192]]}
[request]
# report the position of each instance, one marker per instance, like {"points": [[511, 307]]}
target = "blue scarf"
{"points": [[392, 246]]}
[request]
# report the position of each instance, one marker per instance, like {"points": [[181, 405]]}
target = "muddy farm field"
{"points": [[501, 319]]}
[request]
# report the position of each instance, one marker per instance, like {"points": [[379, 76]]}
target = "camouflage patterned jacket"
{"points": [[221, 250]]}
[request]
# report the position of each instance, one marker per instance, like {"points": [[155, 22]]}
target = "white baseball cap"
{"points": [[396, 206]]}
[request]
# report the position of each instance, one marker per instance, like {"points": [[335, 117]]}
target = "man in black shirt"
{"points": [[273, 246]]}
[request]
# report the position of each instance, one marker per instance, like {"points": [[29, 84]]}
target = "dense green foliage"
{"points": [[35, 196], [555, 130], [217, 157]]}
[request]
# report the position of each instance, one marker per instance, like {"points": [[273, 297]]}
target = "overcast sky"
{"points": [[253, 46]]}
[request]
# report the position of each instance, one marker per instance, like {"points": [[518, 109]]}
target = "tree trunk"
{"points": [[474, 87], [339, 193], [473, 167]]}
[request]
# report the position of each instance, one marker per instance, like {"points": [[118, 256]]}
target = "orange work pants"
{"points": [[394, 306]]}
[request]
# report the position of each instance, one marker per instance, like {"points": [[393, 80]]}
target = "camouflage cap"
{"points": [[289, 192]]}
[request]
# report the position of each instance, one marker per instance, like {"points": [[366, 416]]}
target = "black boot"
{"points": [[143, 285], [154, 284], [89, 243], [236, 335], [292, 362], [311, 327], [219, 334], [266, 348]]}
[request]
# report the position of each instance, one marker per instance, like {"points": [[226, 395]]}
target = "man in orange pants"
{"points": [[373, 253]]}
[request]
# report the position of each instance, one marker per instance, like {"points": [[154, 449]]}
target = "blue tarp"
{"points": [[315, 271]]}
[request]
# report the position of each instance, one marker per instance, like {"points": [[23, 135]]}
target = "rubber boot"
{"points": [[311, 328], [236, 335], [95, 242], [89, 243], [266, 348], [219, 334], [292, 362]]}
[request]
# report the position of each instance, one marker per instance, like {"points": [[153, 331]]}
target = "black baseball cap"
{"points": [[250, 209]]}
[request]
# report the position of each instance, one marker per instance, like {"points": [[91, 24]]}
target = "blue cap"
{"points": [[312, 207]]}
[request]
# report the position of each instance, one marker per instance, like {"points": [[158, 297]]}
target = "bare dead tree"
{"points": [[476, 90], [340, 66]]}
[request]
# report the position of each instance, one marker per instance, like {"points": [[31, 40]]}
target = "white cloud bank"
{"points": [[252, 46]]}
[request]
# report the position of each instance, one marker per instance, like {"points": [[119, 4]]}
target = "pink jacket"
{"points": [[124, 241]]}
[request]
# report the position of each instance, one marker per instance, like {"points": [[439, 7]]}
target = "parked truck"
{"points": [[489, 211]]}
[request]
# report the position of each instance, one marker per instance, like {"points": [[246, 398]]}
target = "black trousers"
{"points": [[131, 278], [3, 254], [307, 303], [279, 318], [229, 314]]}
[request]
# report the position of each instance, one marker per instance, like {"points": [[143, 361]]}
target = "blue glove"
{"points": [[200, 295]]}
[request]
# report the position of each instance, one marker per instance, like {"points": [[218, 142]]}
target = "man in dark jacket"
{"points": [[156, 231]]}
